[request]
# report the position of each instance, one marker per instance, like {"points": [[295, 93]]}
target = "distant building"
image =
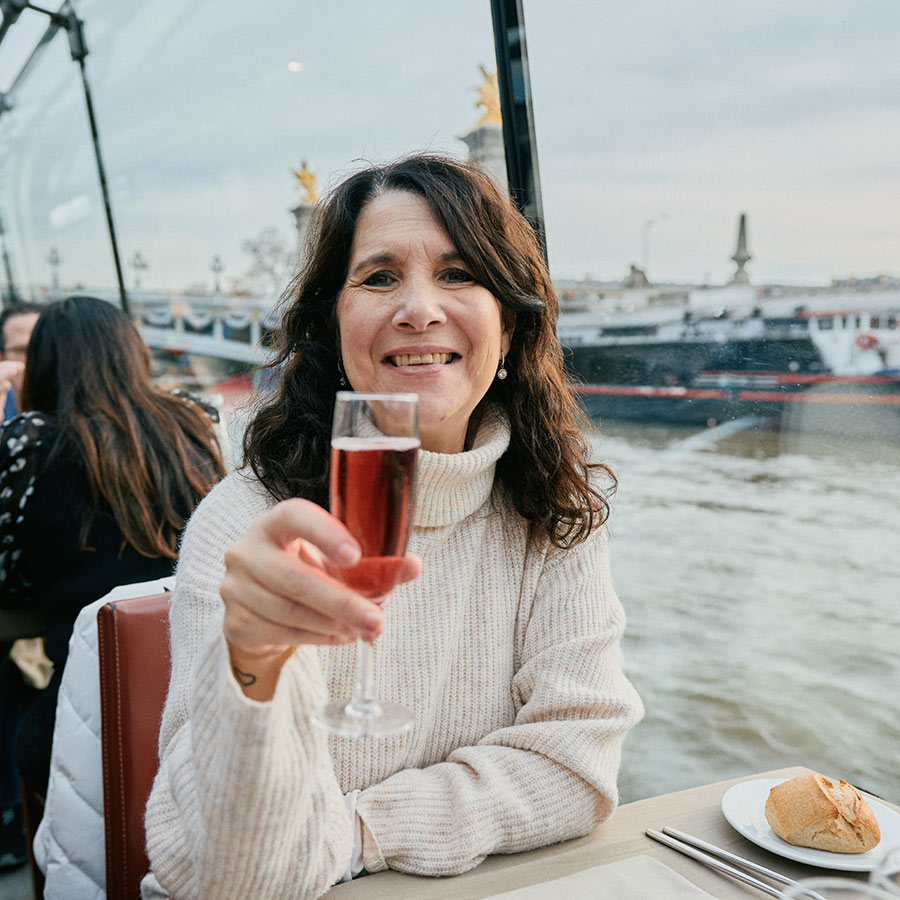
{"points": [[741, 256]]}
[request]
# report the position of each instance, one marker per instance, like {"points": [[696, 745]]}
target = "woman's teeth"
{"points": [[420, 359]]}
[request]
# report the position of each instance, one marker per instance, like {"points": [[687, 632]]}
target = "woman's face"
{"points": [[412, 318]]}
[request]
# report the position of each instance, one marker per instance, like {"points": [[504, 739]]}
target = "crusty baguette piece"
{"points": [[814, 811]]}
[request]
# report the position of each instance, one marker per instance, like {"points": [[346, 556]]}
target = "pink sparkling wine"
{"points": [[372, 482]]}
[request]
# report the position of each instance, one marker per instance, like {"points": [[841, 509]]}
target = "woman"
{"points": [[420, 277], [97, 479]]}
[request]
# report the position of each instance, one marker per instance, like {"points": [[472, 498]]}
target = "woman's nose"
{"points": [[419, 307]]}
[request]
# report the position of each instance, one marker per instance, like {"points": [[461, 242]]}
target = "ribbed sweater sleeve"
{"points": [[548, 777], [245, 803]]}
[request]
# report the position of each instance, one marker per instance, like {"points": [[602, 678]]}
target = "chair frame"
{"points": [[133, 646]]}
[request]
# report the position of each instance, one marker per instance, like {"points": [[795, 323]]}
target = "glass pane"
{"points": [[754, 531], [206, 110]]}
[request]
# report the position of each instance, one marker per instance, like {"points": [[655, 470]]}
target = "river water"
{"points": [[760, 573]]}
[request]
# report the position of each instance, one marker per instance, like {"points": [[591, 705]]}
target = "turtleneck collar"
{"points": [[451, 486]]}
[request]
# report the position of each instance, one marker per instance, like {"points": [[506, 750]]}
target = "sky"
{"points": [[657, 125]]}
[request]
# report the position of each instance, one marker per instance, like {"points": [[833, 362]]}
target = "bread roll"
{"points": [[814, 811]]}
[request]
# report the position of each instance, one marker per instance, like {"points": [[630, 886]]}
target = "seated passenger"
{"points": [[16, 324], [17, 690], [97, 479], [421, 277]]}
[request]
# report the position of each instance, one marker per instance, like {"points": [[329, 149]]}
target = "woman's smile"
{"points": [[421, 359]]}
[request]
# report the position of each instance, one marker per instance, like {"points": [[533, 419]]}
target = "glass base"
{"points": [[377, 717]]}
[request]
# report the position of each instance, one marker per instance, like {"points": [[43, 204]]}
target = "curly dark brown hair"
{"points": [[544, 473]]}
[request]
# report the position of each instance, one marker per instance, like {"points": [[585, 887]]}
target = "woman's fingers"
{"points": [[279, 587], [277, 592], [288, 589], [246, 630], [411, 568], [275, 611], [298, 518]]}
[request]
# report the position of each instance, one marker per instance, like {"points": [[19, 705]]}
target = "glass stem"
{"points": [[364, 702]]}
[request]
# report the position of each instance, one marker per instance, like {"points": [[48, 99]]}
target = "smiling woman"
{"points": [[421, 277]]}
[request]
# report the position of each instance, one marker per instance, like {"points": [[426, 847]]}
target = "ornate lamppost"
{"points": [[216, 268], [139, 264], [54, 259]]}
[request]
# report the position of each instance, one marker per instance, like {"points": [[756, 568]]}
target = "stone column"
{"points": [[485, 143], [302, 213]]}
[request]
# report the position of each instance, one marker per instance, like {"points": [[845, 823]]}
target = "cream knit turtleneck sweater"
{"points": [[507, 654]]}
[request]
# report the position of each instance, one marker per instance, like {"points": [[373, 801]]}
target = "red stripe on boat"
{"points": [[672, 393], [812, 397]]}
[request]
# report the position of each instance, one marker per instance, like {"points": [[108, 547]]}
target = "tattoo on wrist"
{"points": [[245, 678]]}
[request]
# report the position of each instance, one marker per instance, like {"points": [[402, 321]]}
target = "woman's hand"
{"points": [[278, 593]]}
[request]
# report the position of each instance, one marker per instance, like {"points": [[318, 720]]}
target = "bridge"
{"points": [[223, 327]]}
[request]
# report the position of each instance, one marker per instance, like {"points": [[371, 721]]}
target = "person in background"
{"points": [[421, 277], [9, 372], [97, 478], [16, 692], [16, 325]]}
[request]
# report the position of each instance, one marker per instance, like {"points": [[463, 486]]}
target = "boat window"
{"points": [[755, 558], [706, 262]]}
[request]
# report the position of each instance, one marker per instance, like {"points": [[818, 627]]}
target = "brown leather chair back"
{"points": [[133, 643]]}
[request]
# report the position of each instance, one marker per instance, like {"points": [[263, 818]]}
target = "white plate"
{"points": [[744, 807]]}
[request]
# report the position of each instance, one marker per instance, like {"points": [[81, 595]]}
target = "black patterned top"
{"points": [[20, 444], [44, 492]]}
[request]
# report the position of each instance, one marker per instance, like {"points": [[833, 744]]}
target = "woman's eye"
{"points": [[458, 276], [379, 279]]}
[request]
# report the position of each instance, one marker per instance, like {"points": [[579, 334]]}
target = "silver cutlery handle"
{"points": [[713, 850], [712, 862]]}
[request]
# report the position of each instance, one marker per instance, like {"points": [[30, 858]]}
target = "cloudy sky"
{"points": [[657, 125]]}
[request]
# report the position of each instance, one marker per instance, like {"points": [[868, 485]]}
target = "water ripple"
{"points": [[762, 587]]}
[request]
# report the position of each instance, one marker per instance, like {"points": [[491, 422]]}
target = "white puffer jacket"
{"points": [[70, 843]]}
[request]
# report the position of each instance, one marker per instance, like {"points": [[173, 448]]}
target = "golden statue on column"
{"points": [[489, 98], [307, 182]]}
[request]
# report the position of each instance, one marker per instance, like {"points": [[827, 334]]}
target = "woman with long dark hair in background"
{"points": [[97, 478]]}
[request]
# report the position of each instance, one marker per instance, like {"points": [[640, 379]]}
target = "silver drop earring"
{"points": [[501, 372], [342, 378]]}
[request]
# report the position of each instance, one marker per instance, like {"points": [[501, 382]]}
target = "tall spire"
{"points": [[741, 256]]}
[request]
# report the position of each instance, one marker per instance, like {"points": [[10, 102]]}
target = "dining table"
{"points": [[696, 811]]}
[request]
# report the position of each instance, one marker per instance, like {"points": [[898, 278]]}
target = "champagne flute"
{"points": [[374, 441]]}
